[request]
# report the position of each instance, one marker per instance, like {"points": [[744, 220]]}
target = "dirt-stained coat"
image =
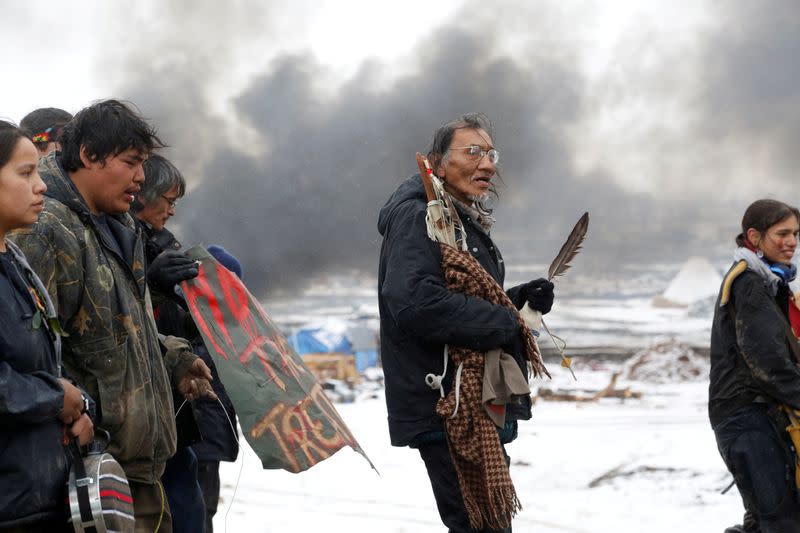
{"points": [[112, 349], [750, 353]]}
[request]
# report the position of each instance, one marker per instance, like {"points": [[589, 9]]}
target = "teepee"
{"points": [[696, 280]]}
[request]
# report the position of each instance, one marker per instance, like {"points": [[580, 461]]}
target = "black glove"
{"points": [[169, 268], [538, 294]]}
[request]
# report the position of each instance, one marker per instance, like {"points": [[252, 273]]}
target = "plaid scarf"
{"points": [[478, 458]]}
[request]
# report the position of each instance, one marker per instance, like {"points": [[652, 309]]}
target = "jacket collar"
{"points": [[758, 266]]}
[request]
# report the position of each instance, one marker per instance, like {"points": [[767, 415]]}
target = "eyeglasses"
{"points": [[476, 152], [171, 201]]}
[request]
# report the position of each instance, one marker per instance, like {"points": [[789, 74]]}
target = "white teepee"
{"points": [[696, 280]]}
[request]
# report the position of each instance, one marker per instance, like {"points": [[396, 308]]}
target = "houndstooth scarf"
{"points": [[483, 476]]}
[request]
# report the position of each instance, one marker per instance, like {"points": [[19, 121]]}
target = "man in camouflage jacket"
{"points": [[87, 251]]}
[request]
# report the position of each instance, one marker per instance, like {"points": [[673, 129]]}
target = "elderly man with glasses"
{"points": [[151, 208], [420, 315], [191, 478]]}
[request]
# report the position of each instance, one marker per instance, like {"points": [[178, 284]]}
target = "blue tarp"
{"points": [[319, 340], [366, 359]]}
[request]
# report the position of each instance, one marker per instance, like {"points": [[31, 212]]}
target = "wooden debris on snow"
{"points": [[609, 391]]}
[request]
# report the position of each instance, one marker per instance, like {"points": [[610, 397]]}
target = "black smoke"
{"points": [[309, 202], [750, 96], [297, 193]]}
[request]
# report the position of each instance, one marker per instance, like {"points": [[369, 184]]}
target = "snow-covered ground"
{"points": [[658, 455], [644, 465]]}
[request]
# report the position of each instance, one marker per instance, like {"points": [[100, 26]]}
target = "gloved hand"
{"points": [[538, 294], [169, 268]]}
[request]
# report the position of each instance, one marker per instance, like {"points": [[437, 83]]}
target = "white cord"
{"points": [[179, 408], [241, 463], [458, 389], [435, 382]]}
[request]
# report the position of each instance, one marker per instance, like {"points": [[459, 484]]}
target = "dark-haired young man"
{"points": [[44, 126], [87, 251]]}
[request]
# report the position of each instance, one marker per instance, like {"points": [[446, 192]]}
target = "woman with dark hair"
{"points": [[754, 373], [44, 126], [38, 408]]}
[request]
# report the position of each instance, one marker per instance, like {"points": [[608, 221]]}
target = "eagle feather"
{"points": [[570, 248]]}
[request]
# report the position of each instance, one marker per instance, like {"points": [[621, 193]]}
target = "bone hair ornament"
{"points": [[442, 220]]}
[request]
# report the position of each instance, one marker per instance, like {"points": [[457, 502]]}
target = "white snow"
{"points": [[670, 473]]}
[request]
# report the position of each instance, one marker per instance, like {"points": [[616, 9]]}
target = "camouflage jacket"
{"points": [[112, 349]]}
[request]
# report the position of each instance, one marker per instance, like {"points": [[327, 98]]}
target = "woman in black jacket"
{"points": [[38, 408], [754, 372]]}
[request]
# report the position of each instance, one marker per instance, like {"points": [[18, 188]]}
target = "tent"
{"points": [[357, 341], [696, 280], [365, 346], [319, 340]]}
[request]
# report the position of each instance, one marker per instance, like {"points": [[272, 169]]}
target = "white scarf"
{"points": [[757, 265]]}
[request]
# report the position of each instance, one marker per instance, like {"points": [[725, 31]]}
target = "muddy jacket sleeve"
{"points": [[761, 336], [418, 299], [53, 258], [178, 356]]}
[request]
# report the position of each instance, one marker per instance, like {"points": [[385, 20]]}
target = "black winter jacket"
{"points": [[33, 463], [419, 315], [750, 353]]}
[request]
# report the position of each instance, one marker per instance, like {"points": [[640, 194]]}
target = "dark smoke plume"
{"points": [[309, 202], [298, 192], [751, 92]]}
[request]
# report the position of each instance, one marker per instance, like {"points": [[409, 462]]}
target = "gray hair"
{"points": [[443, 136], [160, 175]]}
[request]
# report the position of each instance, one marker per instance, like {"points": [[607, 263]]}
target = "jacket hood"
{"points": [[410, 189], [59, 186]]}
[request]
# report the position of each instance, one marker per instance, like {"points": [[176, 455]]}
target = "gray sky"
{"points": [[293, 123]]}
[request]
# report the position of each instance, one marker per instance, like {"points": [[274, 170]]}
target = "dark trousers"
{"points": [[446, 491], [208, 476], [183, 492], [763, 465]]}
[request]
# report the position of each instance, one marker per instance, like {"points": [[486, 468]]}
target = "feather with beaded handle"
{"points": [[560, 265], [570, 248]]}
